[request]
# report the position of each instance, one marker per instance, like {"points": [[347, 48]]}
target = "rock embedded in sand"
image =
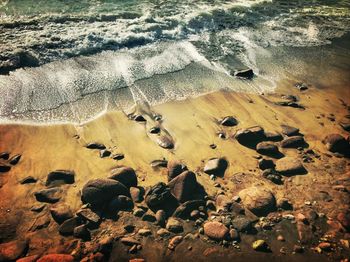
{"points": [[124, 175], [159, 163], [98, 192], [61, 213], [174, 225], [165, 142], [139, 118], [4, 155], [259, 201], [154, 130], [345, 126], [267, 148], [229, 121], [175, 168], [184, 187], [293, 142], [266, 164], [13, 250], [60, 177], [289, 130], [15, 159], [56, 258], [67, 227], [246, 73], [105, 153], [51, 195], [289, 166], [28, 180], [216, 230], [95, 145], [337, 144], [251, 136], [176, 240], [4, 167], [40, 222], [216, 167]]}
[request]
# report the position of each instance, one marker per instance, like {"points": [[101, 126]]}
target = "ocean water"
{"points": [[69, 61]]}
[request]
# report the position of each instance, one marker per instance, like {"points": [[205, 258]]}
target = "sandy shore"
{"points": [[193, 125]]}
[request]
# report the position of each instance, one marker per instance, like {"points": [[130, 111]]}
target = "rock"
{"points": [[260, 245], [154, 130], [138, 212], [4, 167], [284, 204], [267, 148], [325, 246], [139, 118], [234, 234], [176, 240], [274, 137], [38, 208], [337, 144], [149, 218], [258, 200], [250, 137], [266, 164], [174, 225], [298, 249], [159, 163], [28, 259], [344, 219], [97, 192], [163, 232], [67, 227], [229, 121], [118, 156], [144, 232], [210, 204], [293, 142], [105, 245], [60, 177], [185, 209], [159, 197], [82, 232], [165, 142], [272, 175], [56, 258], [175, 168], [130, 241], [51, 195], [13, 250], [95, 145], [216, 230], [120, 203], [124, 175], [345, 126], [247, 73], [161, 217], [242, 224], [61, 213], [216, 166], [105, 153], [88, 215], [184, 187], [289, 166], [301, 86], [4, 155], [15, 159], [136, 194], [223, 203], [28, 180], [289, 130]]}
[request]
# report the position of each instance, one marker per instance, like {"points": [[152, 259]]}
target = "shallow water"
{"points": [[93, 56]]}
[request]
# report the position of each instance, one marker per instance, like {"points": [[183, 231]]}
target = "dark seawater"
{"points": [[86, 57]]}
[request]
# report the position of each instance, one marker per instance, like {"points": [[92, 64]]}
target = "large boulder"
{"points": [[216, 230], [98, 192], [159, 197], [258, 200], [293, 142], [61, 213], [13, 250], [250, 137], [337, 144], [175, 168], [216, 167], [60, 177], [267, 148], [124, 175], [290, 166]]}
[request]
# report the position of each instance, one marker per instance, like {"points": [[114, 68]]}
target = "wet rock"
{"points": [[258, 200], [293, 142], [159, 197], [184, 187], [242, 223], [136, 194], [260, 245], [4, 167], [159, 163], [175, 168], [56, 258], [272, 175], [149, 218], [51, 195], [216, 167], [4, 155], [163, 232], [144, 232], [266, 164], [155, 130], [345, 126], [174, 225], [28, 180], [105, 153], [289, 130], [88, 215], [284, 204], [161, 217], [250, 137], [13, 250], [267, 148], [124, 175], [98, 192], [139, 118], [337, 144], [130, 241], [15, 159], [95, 145], [165, 142], [216, 230], [120, 203], [185, 209], [67, 227], [174, 242], [28, 259], [118, 156], [274, 137], [59, 177], [38, 208], [301, 86], [229, 121], [289, 166], [82, 232], [61, 213], [247, 73]]}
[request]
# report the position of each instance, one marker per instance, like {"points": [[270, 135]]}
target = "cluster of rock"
{"points": [[7, 161]]}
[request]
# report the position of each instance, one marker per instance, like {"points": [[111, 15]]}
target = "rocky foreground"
{"points": [[270, 189]]}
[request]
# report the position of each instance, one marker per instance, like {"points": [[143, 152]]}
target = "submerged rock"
{"points": [[258, 200], [216, 167]]}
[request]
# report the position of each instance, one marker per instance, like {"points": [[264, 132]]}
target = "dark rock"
{"points": [[136, 194], [165, 142], [120, 203], [174, 225], [344, 219], [234, 234], [159, 163], [175, 168], [105, 153], [59, 177], [250, 137], [124, 175], [216, 167], [38, 208], [210, 204], [149, 218], [293, 142], [138, 212], [155, 130], [82, 232], [258, 200], [13, 250], [61, 213], [4, 155], [290, 166], [289, 130], [345, 126], [185, 209], [337, 144], [40, 222], [28, 180], [67, 227], [88, 215], [4, 167], [15, 159], [161, 217], [301, 86], [229, 121], [272, 175], [98, 192], [118, 156], [139, 118], [266, 164], [284, 204], [95, 145], [129, 228], [242, 224], [247, 73], [216, 230], [159, 197], [274, 137], [51, 195], [267, 148]]}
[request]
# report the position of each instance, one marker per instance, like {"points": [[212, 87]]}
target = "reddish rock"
{"points": [[174, 242], [28, 259], [12, 250], [184, 186], [344, 219], [136, 194], [216, 230], [336, 143], [56, 258], [61, 213], [175, 168], [258, 200], [290, 166]]}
